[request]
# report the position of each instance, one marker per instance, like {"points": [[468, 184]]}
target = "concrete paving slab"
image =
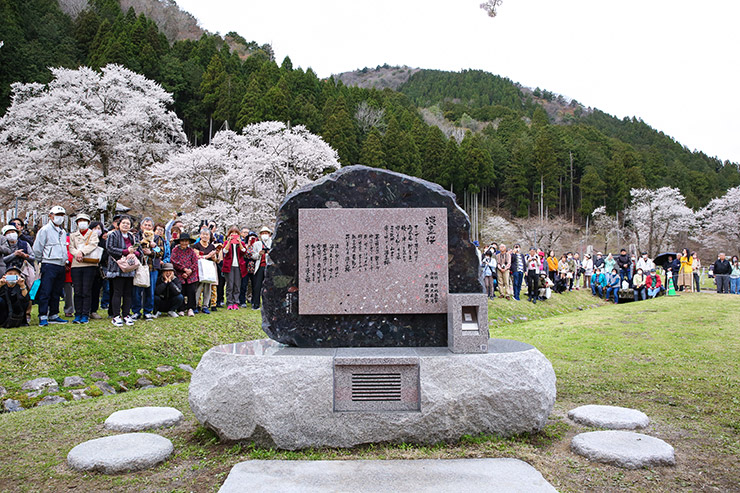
{"points": [[120, 453], [143, 418], [380, 476], [610, 417], [624, 449]]}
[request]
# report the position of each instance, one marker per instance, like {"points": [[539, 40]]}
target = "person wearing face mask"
{"points": [[20, 251], [50, 248], [250, 238], [23, 233], [612, 287], [261, 257], [645, 263], [14, 299], [81, 244], [99, 283], [639, 285]]}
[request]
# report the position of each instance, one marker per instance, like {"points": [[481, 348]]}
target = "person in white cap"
{"points": [[20, 251], [50, 248], [82, 243], [261, 256]]}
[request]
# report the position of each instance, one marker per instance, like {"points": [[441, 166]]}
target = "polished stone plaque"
{"points": [[372, 261]]}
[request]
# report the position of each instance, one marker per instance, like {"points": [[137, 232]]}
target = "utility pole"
{"points": [[572, 213]]}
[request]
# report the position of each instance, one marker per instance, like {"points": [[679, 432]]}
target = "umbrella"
{"points": [[662, 259]]}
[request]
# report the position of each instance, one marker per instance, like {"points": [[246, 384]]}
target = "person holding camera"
{"points": [[234, 267], [260, 254], [14, 299]]}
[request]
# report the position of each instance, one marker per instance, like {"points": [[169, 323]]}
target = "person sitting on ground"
{"points": [[168, 292], [638, 285], [185, 261], [545, 287], [613, 285], [653, 284], [598, 281], [14, 299]]}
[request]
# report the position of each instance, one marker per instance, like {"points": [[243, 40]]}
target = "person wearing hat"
{"points": [[185, 261], [82, 243], [20, 251], [260, 255], [168, 293], [14, 299], [588, 270], [50, 248], [250, 238]]}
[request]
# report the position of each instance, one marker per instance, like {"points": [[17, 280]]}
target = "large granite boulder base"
{"points": [[278, 396], [364, 188]]}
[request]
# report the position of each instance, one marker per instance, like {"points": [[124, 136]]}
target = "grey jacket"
{"points": [[50, 246], [4, 250]]}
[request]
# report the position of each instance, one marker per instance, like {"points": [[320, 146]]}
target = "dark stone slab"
{"points": [[361, 187]]}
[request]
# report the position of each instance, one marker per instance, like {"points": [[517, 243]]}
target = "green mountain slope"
{"points": [[470, 131]]}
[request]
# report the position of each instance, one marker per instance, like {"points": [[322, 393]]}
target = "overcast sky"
{"points": [[675, 64]]}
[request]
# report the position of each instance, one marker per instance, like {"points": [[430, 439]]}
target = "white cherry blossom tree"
{"points": [[720, 221], [86, 138], [658, 217], [243, 179]]}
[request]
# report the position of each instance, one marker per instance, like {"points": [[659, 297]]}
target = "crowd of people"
{"points": [[134, 271], [505, 271]]}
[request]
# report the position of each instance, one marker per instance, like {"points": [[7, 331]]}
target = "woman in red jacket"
{"points": [[234, 266]]}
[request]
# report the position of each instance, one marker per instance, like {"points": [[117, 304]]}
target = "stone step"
{"points": [[381, 476]]}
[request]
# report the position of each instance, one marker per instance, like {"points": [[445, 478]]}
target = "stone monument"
{"points": [[378, 327]]}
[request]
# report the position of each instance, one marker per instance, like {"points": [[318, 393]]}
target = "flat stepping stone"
{"points": [[143, 418], [611, 417], [120, 453], [624, 449], [352, 476]]}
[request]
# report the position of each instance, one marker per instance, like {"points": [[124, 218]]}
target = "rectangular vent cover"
{"points": [[376, 387]]}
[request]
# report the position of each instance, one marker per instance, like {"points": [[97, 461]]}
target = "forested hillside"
{"points": [[516, 154]]}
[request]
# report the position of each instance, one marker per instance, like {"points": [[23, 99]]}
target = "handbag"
{"points": [[128, 264], [207, 271], [94, 256], [29, 273], [34, 289], [141, 278]]}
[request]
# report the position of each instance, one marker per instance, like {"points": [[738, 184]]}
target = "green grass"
{"points": [[674, 358]]}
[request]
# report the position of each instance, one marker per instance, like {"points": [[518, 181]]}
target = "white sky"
{"points": [[675, 64]]}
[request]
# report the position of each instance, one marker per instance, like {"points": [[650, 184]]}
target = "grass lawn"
{"points": [[674, 358]]}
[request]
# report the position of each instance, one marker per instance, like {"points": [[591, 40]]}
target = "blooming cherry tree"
{"points": [[657, 217], [243, 179], [86, 138], [720, 219]]}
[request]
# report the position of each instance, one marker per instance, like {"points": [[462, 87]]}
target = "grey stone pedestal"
{"points": [[292, 398]]}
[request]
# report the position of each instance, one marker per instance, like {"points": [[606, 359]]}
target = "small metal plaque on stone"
{"points": [[372, 261]]}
